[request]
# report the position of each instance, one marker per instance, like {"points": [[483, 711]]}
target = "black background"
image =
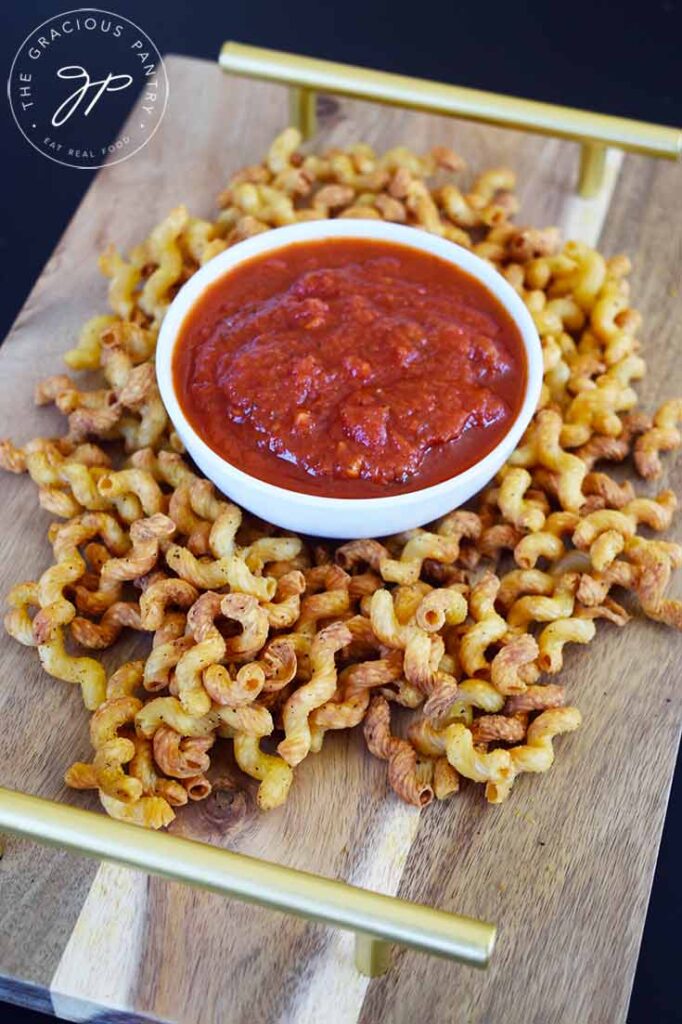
{"points": [[616, 58]]}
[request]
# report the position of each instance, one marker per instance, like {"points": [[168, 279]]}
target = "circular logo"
{"points": [[72, 83]]}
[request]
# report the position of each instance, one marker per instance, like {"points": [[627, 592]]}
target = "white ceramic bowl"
{"points": [[346, 517]]}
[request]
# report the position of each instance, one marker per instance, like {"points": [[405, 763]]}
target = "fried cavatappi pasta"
{"points": [[267, 643]]}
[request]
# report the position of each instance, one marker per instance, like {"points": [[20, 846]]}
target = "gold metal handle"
{"points": [[594, 131], [376, 919]]}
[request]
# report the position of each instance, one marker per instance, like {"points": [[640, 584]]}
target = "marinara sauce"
{"points": [[349, 368]]}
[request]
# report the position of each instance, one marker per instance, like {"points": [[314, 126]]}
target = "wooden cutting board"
{"points": [[564, 868]]}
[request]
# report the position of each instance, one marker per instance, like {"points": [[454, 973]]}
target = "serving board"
{"points": [[564, 868]]}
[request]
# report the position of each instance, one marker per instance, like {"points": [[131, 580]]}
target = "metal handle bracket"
{"points": [[595, 132], [377, 920]]}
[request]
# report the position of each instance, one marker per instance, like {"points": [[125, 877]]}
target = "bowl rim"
{"points": [[317, 230]]}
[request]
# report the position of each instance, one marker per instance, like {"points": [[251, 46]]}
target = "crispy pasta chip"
{"points": [[267, 642]]}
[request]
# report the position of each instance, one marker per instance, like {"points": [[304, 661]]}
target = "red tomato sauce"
{"points": [[349, 368]]}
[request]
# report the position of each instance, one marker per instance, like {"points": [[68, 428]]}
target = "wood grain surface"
{"points": [[564, 868]]}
